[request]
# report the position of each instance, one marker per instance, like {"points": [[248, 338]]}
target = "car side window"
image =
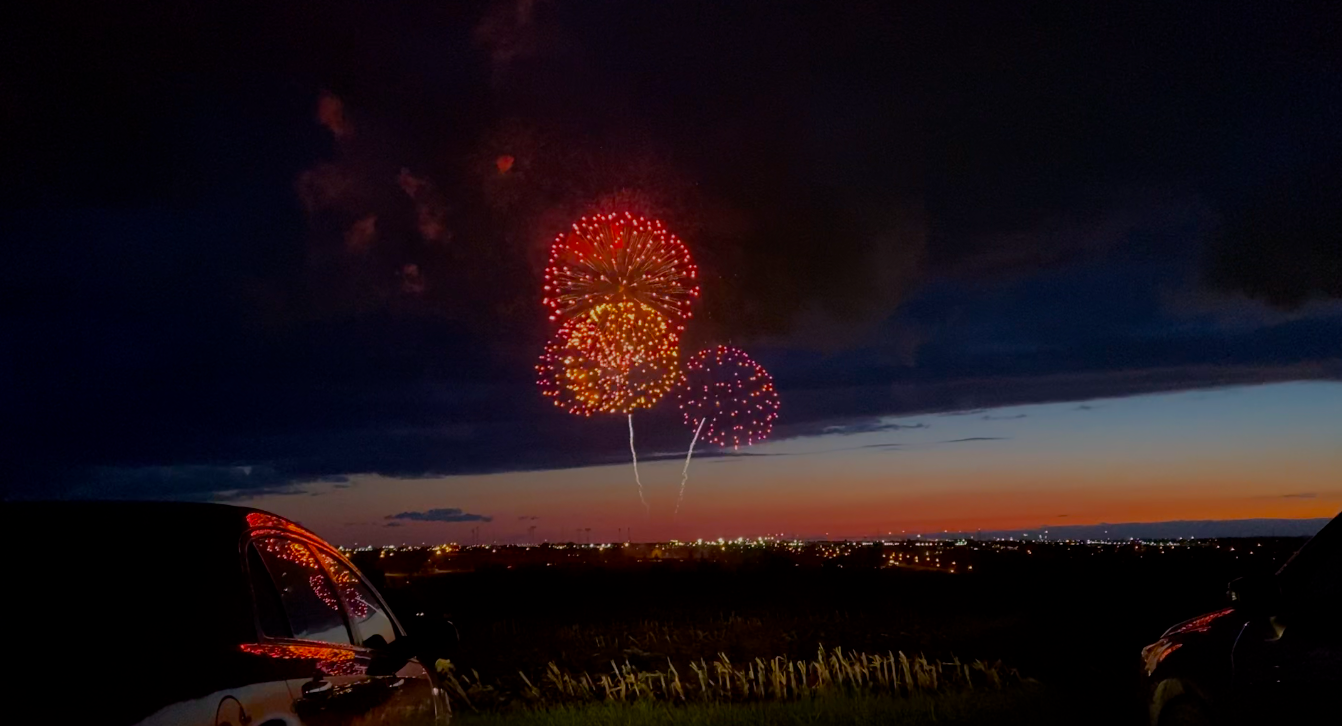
{"points": [[364, 607], [311, 608], [269, 607]]}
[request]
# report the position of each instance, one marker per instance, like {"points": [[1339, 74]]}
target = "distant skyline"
{"points": [[1177, 529]]}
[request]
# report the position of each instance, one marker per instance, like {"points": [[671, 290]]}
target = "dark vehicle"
{"points": [[1274, 656], [121, 613]]}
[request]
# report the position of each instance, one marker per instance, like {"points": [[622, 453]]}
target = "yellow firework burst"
{"points": [[616, 358]]}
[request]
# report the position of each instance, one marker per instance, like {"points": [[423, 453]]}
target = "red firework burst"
{"points": [[732, 396], [611, 258]]}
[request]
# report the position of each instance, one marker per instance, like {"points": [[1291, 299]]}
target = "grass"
{"points": [[722, 681], [1028, 704], [1079, 634], [586, 621]]}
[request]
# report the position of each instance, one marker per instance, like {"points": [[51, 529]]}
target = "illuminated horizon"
{"points": [[1237, 453]]}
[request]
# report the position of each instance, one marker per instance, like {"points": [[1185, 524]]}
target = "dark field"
{"points": [[1073, 620]]}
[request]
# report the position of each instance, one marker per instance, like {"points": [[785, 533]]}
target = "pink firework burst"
{"points": [[730, 396]]}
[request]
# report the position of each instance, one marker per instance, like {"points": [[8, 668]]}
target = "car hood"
{"points": [[1217, 626]]}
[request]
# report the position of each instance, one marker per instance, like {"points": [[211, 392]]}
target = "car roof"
{"points": [[176, 565]]}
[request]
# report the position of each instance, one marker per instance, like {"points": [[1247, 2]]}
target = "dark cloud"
{"points": [[430, 209], [509, 33], [1283, 244], [204, 482], [327, 186], [310, 260], [722, 458], [441, 515], [331, 114], [867, 427], [1015, 417], [527, 518], [975, 438], [412, 280], [706, 454], [361, 235], [1302, 495], [915, 398], [221, 483], [243, 495], [728, 454], [545, 438]]}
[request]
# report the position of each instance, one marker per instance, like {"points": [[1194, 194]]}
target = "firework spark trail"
{"points": [[685, 472], [634, 454]]}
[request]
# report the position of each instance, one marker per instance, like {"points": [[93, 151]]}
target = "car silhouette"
{"points": [[1273, 656], [166, 613]]}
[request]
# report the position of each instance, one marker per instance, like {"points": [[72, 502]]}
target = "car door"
{"points": [[398, 688], [1288, 666], [301, 624]]}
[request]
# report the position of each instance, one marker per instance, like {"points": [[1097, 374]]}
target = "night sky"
{"points": [[1007, 264]]}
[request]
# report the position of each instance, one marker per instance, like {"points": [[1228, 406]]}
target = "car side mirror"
{"points": [[1254, 594], [375, 642], [387, 658], [435, 636]]}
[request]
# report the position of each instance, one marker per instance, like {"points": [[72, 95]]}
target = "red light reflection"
{"points": [[263, 520], [1200, 624], [341, 667], [305, 652], [346, 583], [331, 661], [1156, 652], [300, 555]]}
